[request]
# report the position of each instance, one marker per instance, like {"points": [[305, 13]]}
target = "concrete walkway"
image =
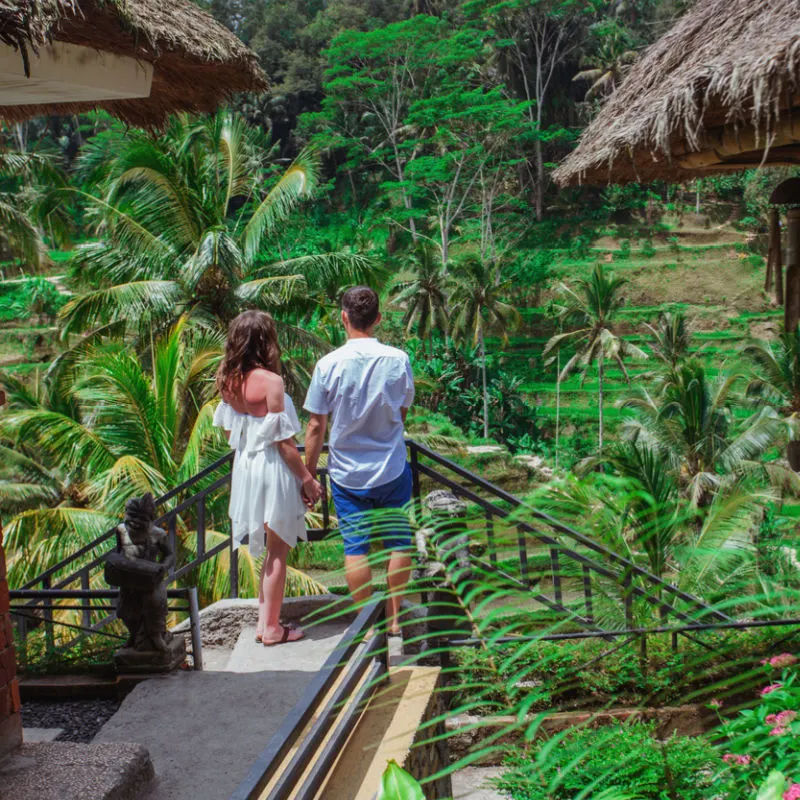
{"points": [[204, 730], [472, 783]]}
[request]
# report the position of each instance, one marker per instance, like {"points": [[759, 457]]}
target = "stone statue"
{"points": [[140, 567]]}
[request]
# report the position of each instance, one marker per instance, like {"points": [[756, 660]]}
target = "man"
{"points": [[367, 389]]}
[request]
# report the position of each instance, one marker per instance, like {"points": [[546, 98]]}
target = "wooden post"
{"points": [[10, 718], [792, 302], [774, 244]]}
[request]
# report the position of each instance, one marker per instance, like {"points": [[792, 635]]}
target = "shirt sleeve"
{"points": [[317, 397], [408, 398]]}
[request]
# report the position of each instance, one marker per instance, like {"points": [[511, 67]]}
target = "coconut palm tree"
{"points": [[111, 429], [776, 381], [423, 294], [478, 308], [605, 70], [186, 223], [32, 206], [593, 305], [689, 419], [671, 339]]}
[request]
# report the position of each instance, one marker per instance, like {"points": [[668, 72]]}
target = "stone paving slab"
{"points": [[307, 655], [33, 735], [472, 783], [71, 771], [204, 730]]}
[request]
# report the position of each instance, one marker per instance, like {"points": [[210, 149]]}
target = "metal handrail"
{"points": [[350, 665], [557, 526]]}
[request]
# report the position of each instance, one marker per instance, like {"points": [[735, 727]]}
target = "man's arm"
{"points": [[315, 438]]}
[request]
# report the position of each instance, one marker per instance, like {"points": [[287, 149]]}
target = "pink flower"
{"points": [[715, 704], [783, 660], [785, 717], [772, 719], [771, 688], [732, 758], [777, 731], [793, 792]]}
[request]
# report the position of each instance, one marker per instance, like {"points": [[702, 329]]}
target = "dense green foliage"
{"points": [[585, 761]]}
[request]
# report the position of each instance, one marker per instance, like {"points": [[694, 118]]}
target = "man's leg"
{"points": [[359, 577], [397, 538], [397, 578], [352, 513]]}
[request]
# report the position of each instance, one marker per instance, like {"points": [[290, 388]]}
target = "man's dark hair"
{"points": [[362, 306]]}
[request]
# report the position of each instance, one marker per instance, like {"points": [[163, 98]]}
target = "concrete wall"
{"points": [[10, 719]]}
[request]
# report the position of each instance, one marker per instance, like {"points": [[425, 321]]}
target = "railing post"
{"points": [[234, 571], [556, 572], [523, 555], [587, 594], [490, 537], [326, 512], [194, 626], [47, 613], [172, 529], [415, 482], [86, 614], [628, 595]]}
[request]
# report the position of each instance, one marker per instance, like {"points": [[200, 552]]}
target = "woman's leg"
{"points": [[262, 611], [273, 584]]}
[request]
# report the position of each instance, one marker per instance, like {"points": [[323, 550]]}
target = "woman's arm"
{"points": [[312, 490]]}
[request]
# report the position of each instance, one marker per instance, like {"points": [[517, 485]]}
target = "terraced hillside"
{"points": [[709, 274]]}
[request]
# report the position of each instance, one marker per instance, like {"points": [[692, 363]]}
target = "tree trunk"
{"points": [[485, 393], [777, 270], [600, 368], [558, 402], [538, 192], [774, 244], [792, 301]]}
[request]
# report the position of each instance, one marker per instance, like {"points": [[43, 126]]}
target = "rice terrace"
{"points": [[400, 400]]}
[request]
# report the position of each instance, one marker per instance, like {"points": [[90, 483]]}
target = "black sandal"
{"points": [[287, 632]]}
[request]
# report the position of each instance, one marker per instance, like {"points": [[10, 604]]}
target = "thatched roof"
{"points": [[197, 62], [719, 92]]}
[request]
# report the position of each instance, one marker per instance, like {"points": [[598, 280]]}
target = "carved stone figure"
{"points": [[140, 567]]}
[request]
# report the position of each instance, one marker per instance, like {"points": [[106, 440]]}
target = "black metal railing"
{"points": [[42, 600], [591, 569], [595, 568], [349, 678]]}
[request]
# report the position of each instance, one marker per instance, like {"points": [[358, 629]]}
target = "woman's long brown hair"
{"points": [[252, 343]]}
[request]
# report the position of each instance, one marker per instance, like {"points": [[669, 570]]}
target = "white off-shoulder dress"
{"points": [[263, 488]]}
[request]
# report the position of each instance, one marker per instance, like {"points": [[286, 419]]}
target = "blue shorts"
{"points": [[382, 510]]}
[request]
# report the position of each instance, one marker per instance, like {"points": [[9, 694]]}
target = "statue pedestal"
{"points": [[128, 660]]}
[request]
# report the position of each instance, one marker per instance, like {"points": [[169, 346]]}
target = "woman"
{"points": [[270, 484]]}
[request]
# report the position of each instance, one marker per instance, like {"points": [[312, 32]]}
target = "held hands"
{"points": [[311, 491]]}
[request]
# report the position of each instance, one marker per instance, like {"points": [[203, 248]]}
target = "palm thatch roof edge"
{"points": [[715, 93], [197, 61]]}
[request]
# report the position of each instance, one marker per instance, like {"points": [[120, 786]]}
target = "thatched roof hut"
{"points": [[191, 62], [719, 92]]}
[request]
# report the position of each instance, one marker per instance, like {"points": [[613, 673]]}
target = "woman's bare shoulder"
{"points": [[262, 385]]}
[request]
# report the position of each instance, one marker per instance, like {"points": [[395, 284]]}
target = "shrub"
{"points": [[585, 761], [765, 738]]}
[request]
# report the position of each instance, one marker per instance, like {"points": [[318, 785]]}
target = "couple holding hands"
{"points": [[364, 390]]}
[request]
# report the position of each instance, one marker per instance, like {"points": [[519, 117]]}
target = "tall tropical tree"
{"points": [[29, 205], [593, 305], [670, 338], [776, 381], [99, 433], [689, 419], [423, 294], [614, 55], [479, 308], [187, 222]]}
